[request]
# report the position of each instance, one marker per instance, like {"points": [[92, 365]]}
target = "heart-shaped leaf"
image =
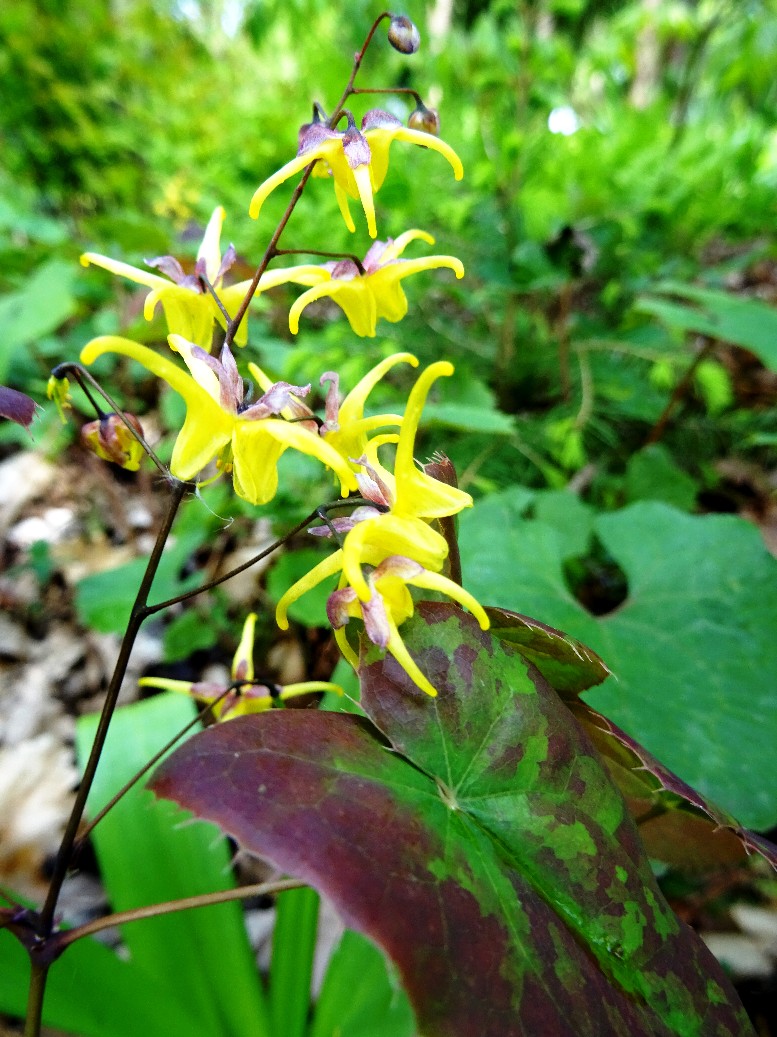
{"points": [[478, 840]]}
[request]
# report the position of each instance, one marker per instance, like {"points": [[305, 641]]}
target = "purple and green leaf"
{"points": [[476, 837]]}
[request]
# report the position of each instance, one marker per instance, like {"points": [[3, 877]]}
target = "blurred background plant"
{"points": [[615, 338]]}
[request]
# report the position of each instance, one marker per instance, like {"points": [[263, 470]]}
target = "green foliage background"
{"points": [[124, 123]]}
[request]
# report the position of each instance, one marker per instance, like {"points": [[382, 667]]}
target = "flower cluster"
{"points": [[389, 542], [243, 695]]}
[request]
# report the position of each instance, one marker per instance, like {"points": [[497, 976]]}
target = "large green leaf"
{"points": [[489, 853], [692, 648], [146, 858], [720, 315]]}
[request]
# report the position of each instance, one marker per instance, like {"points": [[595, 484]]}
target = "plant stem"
{"points": [[137, 616], [679, 392], [33, 1019], [271, 251], [81, 375], [68, 936], [357, 61], [389, 90]]}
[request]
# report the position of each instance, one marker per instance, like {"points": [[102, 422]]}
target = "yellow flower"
{"points": [[345, 427], [188, 306], [398, 524], [218, 422], [390, 604], [365, 297], [356, 161], [243, 696]]}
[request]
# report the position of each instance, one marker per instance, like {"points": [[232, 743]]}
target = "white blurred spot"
{"points": [[564, 120]]}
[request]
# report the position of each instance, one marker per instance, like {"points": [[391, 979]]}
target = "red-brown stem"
{"points": [[270, 252], [68, 936]]}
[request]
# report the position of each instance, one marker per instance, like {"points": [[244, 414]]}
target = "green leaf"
{"points": [[689, 647], [104, 600], [131, 1000], [359, 996], [146, 858], [488, 853], [40, 306], [652, 474], [291, 966], [729, 318]]}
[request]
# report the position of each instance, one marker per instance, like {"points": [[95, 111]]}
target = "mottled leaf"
{"points": [[678, 824], [566, 664], [487, 851]]}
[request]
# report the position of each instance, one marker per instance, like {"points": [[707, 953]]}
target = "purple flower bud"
{"points": [[425, 119], [403, 35]]}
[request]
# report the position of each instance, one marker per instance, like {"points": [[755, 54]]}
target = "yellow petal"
{"points": [[353, 297], [295, 166], [345, 211], [328, 567], [428, 140], [437, 582], [293, 434], [243, 662], [255, 460], [352, 407], [364, 185], [398, 245], [341, 638], [375, 539], [210, 249], [125, 270], [206, 429], [397, 648]]}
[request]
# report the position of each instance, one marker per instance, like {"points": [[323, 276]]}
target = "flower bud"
{"points": [[110, 439], [403, 35], [425, 119], [58, 390]]}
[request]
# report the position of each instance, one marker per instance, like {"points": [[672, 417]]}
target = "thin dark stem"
{"points": [[79, 372], [679, 392], [68, 936], [137, 616], [150, 610], [215, 296], [357, 62], [92, 824], [389, 90], [319, 252], [269, 253], [33, 1019], [78, 375]]}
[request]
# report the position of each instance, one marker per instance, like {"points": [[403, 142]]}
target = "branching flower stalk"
{"points": [[389, 527]]}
